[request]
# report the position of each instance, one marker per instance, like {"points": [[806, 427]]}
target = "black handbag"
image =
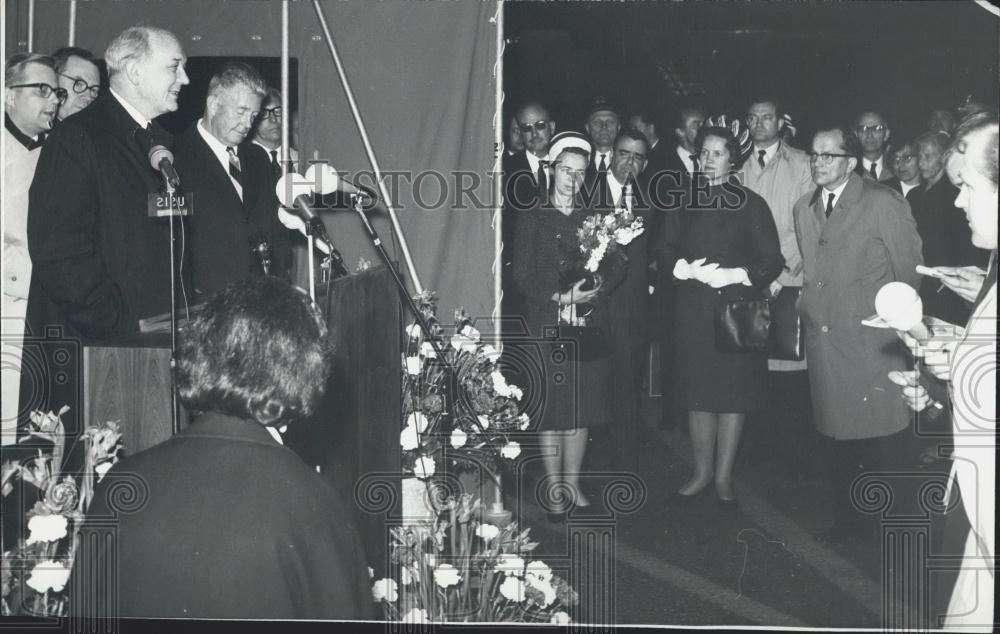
{"points": [[742, 325], [787, 340]]}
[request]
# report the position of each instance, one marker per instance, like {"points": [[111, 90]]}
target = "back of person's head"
{"points": [[257, 350], [63, 54], [15, 65]]}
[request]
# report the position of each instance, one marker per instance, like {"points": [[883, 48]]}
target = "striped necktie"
{"points": [[234, 165]]}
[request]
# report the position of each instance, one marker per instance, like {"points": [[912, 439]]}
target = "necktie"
{"points": [[234, 164], [603, 166], [275, 164], [541, 178], [623, 202], [871, 170], [829, 204], [694, 162], [760, 157]]}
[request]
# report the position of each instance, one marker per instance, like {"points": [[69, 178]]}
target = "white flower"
{"points": [[418, 421], [446, 575], [461, 342], [416, 615], [523, 421], [471, 332], [46, 528], [509, 565], [409, 439], [511, 450], [516, 392], [385, 590], [560, 618], [458, 438], [487, 531], [484, 421], [405, 577], [427, 350], [413, 330], [424, 467], [538, 570], [513, 589], [48, 575], [413, 365], [609, 220], [102, 469], [491, 353], [500, 384], [548, 592]]}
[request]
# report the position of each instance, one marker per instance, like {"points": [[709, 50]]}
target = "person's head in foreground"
{"points": [[973, 162], [258, 351]]}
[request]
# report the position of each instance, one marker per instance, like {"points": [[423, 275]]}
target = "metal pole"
{"points": [[498, 178], [285, 114], [71, 40], [31, 25], [383, 191]]}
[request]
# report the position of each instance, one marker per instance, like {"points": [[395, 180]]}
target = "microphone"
{"points": [[899, 305], [293, 193], [162, 161], [325, 180]]}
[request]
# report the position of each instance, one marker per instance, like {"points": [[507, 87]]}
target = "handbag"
{"points": [[787, 340], [591, 342], [742, 325]]}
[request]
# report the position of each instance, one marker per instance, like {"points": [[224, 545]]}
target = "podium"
{"points": [[354, 435]]}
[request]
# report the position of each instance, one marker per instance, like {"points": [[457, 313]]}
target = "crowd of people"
{"points": [[737, 215]]}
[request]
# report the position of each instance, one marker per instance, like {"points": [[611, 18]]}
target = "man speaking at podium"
{"points": [[100, 262]]}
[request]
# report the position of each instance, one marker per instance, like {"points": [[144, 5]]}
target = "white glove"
{"points": [[682, 269], [726, 277], [701, 271]]}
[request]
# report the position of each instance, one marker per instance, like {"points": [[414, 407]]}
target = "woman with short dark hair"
{"points": [[222, 520]]}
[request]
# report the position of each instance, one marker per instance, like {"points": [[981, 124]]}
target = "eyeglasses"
{"points": [[870, 129], [825, 157], [271, 113], [45, 90], [80, 86], [904, 158], [538, 126]]}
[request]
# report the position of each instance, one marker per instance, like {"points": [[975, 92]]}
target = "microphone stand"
{"points": [[173, 212]]}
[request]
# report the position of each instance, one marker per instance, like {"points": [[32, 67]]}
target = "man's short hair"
{"points": [[273, 94], [649, 118], [987, 164], [14, 68], [62, 56], [682, 114], [765, 98], [849, 144], [530, 104], [132, 43], [237, 74], [635, 135], [933, 137], [257, 350]]}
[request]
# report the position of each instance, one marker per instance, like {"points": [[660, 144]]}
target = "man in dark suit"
{"points": [[649, 124], [602, 125], [873, 133], [235, 219], [686, 124], [100, 262], [227, 522]]}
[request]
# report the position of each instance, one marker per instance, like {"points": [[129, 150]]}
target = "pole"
{"points": [[498, 179], [368, 148], [71, 40], [285, 114], [31, 25]]}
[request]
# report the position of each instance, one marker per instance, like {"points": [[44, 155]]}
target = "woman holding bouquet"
{"points": [[551, 273], [721, 246]]}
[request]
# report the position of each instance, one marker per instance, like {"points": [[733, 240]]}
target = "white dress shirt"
{"points": [[879, 165], [685, 157], [836, 193], [135, 114], [219, 149]]}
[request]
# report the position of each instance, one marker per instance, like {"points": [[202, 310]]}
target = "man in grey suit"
{"points": [[855, 236], [873, 133]]}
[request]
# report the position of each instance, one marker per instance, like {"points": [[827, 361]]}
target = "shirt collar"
{"points": [[607, 158], [30, 143], [135, 114], [685, 158], [836, 192], [534, 160], [269, 150], [879, 164], [907, 188], [768, 152], [218, 147]]}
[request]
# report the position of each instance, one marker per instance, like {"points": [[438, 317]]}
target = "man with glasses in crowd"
{"points": [[855, 236], [267, 134], [31, 101], [79, 77], [873, 133], [100, 262], [907, 178]]}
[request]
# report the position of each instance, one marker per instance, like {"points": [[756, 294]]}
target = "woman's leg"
{"points": [[730, 429], [552, 458], [704, 427], [574, 447]]}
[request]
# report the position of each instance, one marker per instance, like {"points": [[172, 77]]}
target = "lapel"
{"points": [[215, 171], [244, 151], [845, 205], [133, 138]]}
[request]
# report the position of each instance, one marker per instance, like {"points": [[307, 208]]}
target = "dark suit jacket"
{"points": [[99, 262], [221, 226], [225, 523]]}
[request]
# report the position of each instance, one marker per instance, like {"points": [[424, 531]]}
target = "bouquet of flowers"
{"points": [[472, 412], [609, 232], [35, 572], [457, 568]]}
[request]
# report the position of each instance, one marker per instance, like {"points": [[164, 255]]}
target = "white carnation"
{"points": [[385, 590], [414, 331], [560, 618], [408, 438], [427, 350], [413, 365], [418, 421], [446, 576], [513, 589], [487, 531], [509, 564], [416, 615], [424, 467], [46, 528], [471, 333], [511, 450], [458, 438], [500, 384], [484, 421], [48, 575]]}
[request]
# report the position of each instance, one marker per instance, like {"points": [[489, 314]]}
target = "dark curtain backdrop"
{"points": [[422, 74]]}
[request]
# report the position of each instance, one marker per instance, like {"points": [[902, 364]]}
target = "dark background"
{"points": [[825, 61]]}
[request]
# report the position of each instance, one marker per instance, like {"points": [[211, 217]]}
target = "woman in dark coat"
{"points": [[548, 271], [721, 246]]}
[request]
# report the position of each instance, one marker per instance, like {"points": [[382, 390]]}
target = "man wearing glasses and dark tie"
{"points": [[873, 133], [267, 134], [78, 76]]}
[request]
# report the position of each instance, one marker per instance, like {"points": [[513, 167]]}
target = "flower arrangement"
{"points": [[457, 568], [467, 417], [608, 232], [35, 572]]}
